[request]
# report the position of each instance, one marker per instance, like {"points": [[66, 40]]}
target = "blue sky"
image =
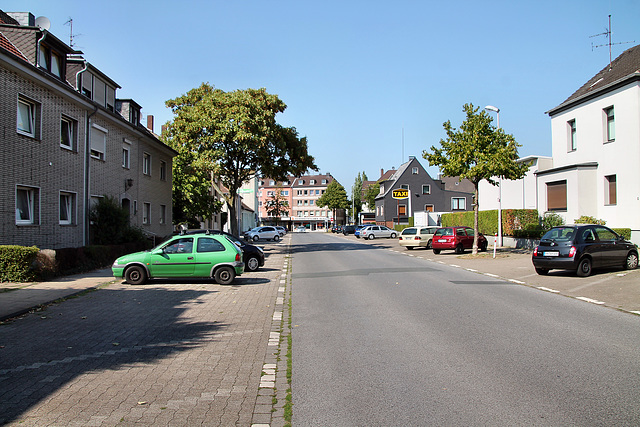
{"points": [[364, 81]]}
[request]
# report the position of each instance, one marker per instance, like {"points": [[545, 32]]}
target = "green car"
{"points": [[194, 255]]}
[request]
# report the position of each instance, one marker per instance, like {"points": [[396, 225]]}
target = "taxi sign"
{"points": [[401, 193]]}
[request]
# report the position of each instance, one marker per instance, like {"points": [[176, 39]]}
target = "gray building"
{"points": [[424, 194], [68, 141]]}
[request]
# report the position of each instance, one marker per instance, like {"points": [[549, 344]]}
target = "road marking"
{"points": [[516, 281], [453, 265], [635, 312], [472, 270], [490, 275], [591, 300], [542, 288]]}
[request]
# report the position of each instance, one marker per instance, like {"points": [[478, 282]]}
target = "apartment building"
{"points": [[69, 141]]}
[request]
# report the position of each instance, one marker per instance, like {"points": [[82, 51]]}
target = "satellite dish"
{"points": [[43, 23]]}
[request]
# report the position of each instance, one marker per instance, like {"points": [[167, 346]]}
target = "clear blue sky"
{"points": [[356, 75]]}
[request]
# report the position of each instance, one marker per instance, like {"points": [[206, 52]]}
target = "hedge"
{"points": [[512, 220], [16, 263]]}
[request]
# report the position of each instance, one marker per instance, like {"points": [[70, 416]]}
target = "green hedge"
{"points": [[624, 232], [512, 220], [16, 263]]}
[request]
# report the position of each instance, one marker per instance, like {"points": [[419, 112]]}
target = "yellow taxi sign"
{"points": [[400, 193]]}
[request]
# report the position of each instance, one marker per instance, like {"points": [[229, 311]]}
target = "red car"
{"points": [[457, 239]]}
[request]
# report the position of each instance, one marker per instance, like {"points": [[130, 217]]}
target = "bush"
{"points": [[551, 220], [585, 219], [17, 262], [512, 220], [624, 232]]}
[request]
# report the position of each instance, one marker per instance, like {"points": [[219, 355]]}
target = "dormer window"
{"points": [[135, 116], [51, 61]]}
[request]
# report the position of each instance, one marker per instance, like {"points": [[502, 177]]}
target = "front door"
{"points": [[176, 259]]}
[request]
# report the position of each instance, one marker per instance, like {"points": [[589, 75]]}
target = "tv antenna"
{"points": [[71, 35], [607, 33]]}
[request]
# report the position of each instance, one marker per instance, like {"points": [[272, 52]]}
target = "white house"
{"points": [[595, 165]]}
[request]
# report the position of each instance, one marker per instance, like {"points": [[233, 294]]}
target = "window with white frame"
{"points": [[98, 142], [67, 208], [163, 170], [300, 182], [28, 111], [572, 135], [414, 171], [610, 125], [284, 192], [324, 181], [610, 191], [557, 196], [126, 157], [458, 203], [299, 202], [27, 200], [68, 133], [272, 183], [312, 181], [146, 163], [163, 214], [146, 213], [426, 189]]}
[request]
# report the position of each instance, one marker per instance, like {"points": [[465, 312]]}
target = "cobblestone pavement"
{"points": [[166, 353]]}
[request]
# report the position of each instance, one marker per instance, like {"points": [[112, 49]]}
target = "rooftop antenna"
{"points": [[607, 33], [71, 35]]}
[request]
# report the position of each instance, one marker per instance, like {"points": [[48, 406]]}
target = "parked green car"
{"points": [[194, 255]]}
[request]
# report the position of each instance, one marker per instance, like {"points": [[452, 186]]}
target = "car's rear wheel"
{"points": [[224, 275], [252, 264], [631, 262], [429, 244], [371, 236], [393, 235], [542, 271], [436, 251], [409, 248], [135, 275], [256, 238], [276, 237], [584, 268], [459, 249]]}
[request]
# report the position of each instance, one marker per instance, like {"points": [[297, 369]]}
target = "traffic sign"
{"points": [[400, 193]]}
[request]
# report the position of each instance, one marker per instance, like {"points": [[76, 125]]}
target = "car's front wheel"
{"points": [[224, 275], [631, 262], [252, 263], [135, 275], [429, 244], [584, 268]]}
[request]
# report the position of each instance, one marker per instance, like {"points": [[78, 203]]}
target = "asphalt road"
{"points": [[380, 338]]}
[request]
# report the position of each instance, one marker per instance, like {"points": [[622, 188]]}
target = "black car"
{"points": [[253, 256], [348, 229], [582, 248]]}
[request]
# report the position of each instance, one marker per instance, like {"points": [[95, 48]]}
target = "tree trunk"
{"points": [[474, 251], [233, 214]]}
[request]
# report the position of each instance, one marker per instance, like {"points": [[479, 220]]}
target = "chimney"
{"points": [[381, 172], [150, 122]]}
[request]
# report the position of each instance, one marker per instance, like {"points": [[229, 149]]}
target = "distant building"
{"points": [[69, 141]]}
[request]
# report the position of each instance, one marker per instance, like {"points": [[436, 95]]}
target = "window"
{"points": [[270, 193], [67, 133], [312, 181], [573, 141], [146, 164], [426, 189], [183, 245], [163, 170], [26, 205], [67, 208], [306, 203], [209, 244], [300, 182], [611, 125], [402, 210], [126, 158], [163, 214], [135, 207], [272, 183], [605, 235], [284, 192], [299, 192], [404, 186], [428, 208], [99, 91], [557, 196], [51, 61], [146, 213], [299, 202], [27, 112], [414, 171], [305, 192], [98, 142], [111, 98], [610, 193], [458, 203], [87, 85], [324, 181], [317, 192]]}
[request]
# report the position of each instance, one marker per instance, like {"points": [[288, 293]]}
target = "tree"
{"points": [[277, 206], [370, 195], [231, 137], [356, 194], [334, 198], [477, 151]]}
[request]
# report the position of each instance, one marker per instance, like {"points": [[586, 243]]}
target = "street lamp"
{"points": [[497, 111]]}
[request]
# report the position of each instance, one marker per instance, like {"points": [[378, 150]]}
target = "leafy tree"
{"points": [[277, 206], [110, 223], [477, 151], [370, 195], [233, 136], [356, 194], [334, 198]]}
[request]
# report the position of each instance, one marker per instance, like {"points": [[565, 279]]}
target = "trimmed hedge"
{"points": [[16, 263], [512, 220]]}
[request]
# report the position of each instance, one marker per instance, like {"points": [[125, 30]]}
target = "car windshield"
{"points": [[409, 231], [559, 234], [444, 232]]}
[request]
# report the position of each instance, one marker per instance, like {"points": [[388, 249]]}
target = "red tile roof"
{"points": [[7, 45]]}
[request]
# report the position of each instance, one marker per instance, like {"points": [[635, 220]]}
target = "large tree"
{"points": [[334, 198], [356, 194], [477, 151], [232, 136], [370, 195], [277, 206]]}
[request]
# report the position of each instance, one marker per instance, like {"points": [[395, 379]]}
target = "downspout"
{"points": [[38, 44], [87, 164]]}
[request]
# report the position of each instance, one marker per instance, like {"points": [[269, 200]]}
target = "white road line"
{"points": [[490, 275], [516, 281], [453, 265], [593, 301], [542, 288], [471, 269]]}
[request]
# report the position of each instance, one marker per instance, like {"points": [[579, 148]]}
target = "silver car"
{"points": [[376, 231], [415, 237], [265, 232]]}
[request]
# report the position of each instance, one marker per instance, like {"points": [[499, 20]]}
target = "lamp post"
{"points": [[497, 111]]}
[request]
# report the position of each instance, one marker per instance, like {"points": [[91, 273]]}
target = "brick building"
{"points": [[68, 141]]}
